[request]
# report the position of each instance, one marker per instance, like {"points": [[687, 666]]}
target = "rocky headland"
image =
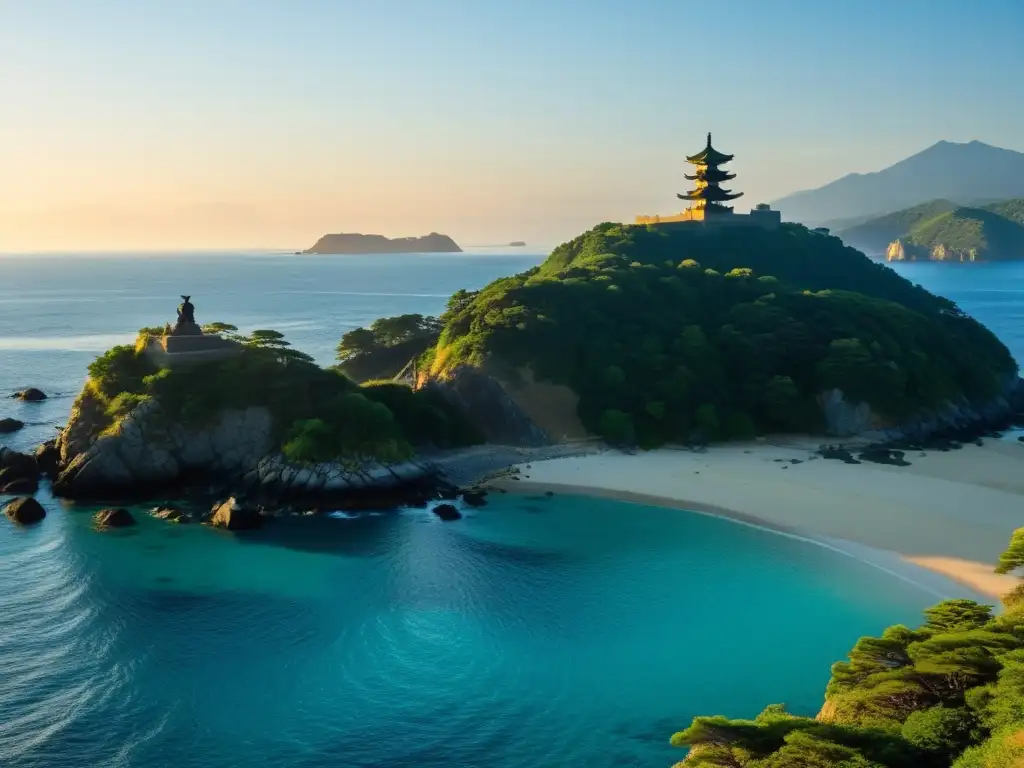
{"points": [[352, 243]]}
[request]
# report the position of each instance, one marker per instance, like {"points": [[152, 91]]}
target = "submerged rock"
{"points": [[447, 512], [113, 518], [171, 514], [10, 425], [233, 515], [24, 511], [18, 485], [475, 497], [30, 395]]}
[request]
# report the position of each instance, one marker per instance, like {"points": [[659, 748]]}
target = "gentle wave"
{"points": [[87, 343]]}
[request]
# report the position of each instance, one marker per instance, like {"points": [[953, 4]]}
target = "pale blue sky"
{"points": [[188, 123]]}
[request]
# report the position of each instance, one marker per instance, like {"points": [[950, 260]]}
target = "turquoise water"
{"points": [[535, 632]]}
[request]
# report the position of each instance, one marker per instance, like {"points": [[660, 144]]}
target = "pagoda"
{"points": [[708, 194], [709, 211]]}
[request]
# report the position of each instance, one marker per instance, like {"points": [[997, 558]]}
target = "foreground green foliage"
{"points": [[950, 693], [386, 347], [666, 332], [319, 415]]}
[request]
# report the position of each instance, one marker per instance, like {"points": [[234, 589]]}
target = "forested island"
{"points": [[940, 230], [367, 244], [660, 334], [265, 422]]}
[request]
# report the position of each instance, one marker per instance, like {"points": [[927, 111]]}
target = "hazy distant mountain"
{"points": [[962, 173], [355, 243]]}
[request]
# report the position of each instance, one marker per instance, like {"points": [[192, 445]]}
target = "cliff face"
{"points": [[145, 451], [489, 406], [365, 244], [901, 251], [844, 418]]}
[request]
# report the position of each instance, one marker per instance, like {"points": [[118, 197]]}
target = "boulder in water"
{"points": [[233, 515], [24, 510], [30, 395], [447, 512], [113, 518], [19, 473], [10, 425]]}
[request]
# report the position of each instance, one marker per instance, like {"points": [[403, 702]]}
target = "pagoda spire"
{"points": [[707, 194]]}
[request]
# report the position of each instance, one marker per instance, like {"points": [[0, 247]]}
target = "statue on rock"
{"points": [[186, 325]]}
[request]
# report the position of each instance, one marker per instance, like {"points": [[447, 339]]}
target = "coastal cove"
{"points": [[900, 518], [502, 638], [397, 637]]}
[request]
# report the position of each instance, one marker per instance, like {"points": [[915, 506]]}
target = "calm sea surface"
{"points": [[534, 632]]}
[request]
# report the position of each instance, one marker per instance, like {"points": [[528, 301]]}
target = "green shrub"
{"points": [[120, 369], [617, 427]]}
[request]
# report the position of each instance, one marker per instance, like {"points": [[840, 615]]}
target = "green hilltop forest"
{"points": [[947, 694], [319, 414], [994, 231], [664, 333]]}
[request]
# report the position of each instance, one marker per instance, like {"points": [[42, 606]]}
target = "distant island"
{"points": [[517, 243], [941, 230], [352, 243]]}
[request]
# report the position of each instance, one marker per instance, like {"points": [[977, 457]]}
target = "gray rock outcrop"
{"points": [[146, 450], [844, 418], [488, 405]]}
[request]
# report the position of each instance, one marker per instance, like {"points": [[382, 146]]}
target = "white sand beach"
{"points": [[950, 512]]}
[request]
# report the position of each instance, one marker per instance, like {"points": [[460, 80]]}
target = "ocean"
{"points": [[534, 632]]}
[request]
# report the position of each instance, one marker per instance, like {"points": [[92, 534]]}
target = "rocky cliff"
{"points": [[364, 244], [844, 418], [487, 403], [899, 250], [145, 451]]}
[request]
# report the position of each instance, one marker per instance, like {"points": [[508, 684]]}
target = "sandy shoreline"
{"points": [[951, 513]]}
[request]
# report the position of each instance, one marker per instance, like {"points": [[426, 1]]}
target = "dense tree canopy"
{"points": [[668, 332], [319, 414], [950, 693]]}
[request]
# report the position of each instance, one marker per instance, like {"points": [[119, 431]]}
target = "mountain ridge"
{"points": [[960, 172]]}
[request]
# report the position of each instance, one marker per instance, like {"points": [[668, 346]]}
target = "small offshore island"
{"points": [[367, 244], [672, 333]]}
